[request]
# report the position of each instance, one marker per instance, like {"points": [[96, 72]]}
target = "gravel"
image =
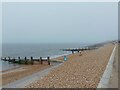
{"points": [[78, 71]]}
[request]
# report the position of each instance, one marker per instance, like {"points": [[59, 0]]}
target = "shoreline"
{"points": [[60, 56], [24, 71], [79, 71], [9, 74], [15, 70], [21, 83], [15, 75], [54, 57]]}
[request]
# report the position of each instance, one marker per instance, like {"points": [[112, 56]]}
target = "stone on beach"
{"points": [[78, 71]]}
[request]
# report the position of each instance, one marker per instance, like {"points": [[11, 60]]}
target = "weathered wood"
{"points": [[25, 58], [32, 62], [8, 60], [5, 58], [48, 58], [41, 60], [13, 60], [76, 49], [26, 61], [72, 52], [19, 60]]}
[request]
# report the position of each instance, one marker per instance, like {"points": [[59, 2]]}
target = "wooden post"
{"points": [[41, 60], [5, 59], [19, 60], [48, 58], [14, 60], [32, 61], [9, 59], [25, 60], [72, 52]]}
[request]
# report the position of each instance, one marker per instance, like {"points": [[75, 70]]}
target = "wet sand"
{"points": [[18, 73], [79, 71]]}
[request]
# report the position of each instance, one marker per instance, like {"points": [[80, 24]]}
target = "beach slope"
{"points": [[78, 71]]}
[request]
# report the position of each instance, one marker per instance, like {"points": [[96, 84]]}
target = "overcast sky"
{"points": [[59, 22]]}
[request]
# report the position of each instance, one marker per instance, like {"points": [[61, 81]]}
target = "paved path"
{"points": [[29, 79], [113, 83], [104, 82]]}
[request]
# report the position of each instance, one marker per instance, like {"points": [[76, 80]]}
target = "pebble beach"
{"points": [[78, 71]]}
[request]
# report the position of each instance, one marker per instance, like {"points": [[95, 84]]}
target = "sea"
{"points": [[35, 50]]}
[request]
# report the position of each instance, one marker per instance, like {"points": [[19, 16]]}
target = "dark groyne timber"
{"points": [[25, 60], [91, 47], [31, 60], [75, 49], [40, 60], [80, 49]]}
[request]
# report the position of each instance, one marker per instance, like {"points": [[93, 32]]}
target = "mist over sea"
{"points": [[35, 50]]}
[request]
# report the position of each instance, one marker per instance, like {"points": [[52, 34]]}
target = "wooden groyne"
{"points": [[25, 60], [77, 49], [90, 47], [74, 49]]}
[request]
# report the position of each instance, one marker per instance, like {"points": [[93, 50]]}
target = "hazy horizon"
{"points": [[59, 22]]}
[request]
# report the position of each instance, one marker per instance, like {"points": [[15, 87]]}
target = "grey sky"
{"points": [[59, 22]]}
